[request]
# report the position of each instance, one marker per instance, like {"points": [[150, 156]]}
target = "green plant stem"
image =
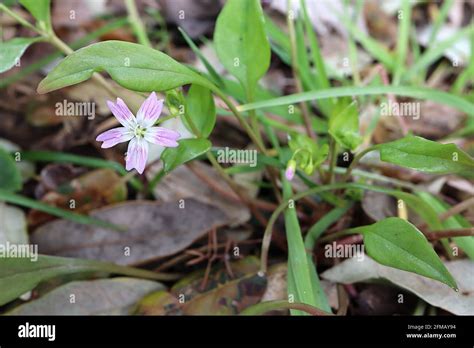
{"points": [[267, 236], [296, 74], [241, 119], [221, 171], [55, 211], [20, 19], [49, 156], [337, 235], [58, 43], [136, 23], [332, 159], [264, 307], [356, 160], [63, 47]]}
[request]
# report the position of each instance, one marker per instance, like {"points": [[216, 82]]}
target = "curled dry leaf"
{"points": [[433, 292], [116, 296], [153, 230]]}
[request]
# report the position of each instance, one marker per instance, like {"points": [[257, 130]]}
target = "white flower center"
{"points": [[140, 131]]}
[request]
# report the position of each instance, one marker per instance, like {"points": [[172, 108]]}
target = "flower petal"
{"points": [[122, 113], [149, 111], [162, 136], [114, 136], [137, 155]]}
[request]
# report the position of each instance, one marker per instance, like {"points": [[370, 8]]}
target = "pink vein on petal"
{"points": [[162, 136], [149, 111], [122, 113], [114, 136], [137, 155]]}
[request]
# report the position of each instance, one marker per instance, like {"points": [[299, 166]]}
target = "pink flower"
{"points": [[139, 130], [290, 170]]}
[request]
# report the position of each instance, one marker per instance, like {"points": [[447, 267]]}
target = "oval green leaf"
{"points": [[132, 66], [241, 42], [187, 150], [201, 110], [426, 156], [396, 243]]}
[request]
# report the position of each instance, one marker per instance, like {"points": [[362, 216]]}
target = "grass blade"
{"points": [[406, 91]]}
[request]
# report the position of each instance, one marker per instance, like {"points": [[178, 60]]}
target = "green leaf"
{"points": [[132, 66], [303, 281], [187, 150], [201, 110], [40, 9], [241, 43], [344, 127], [396, 243], [426, 156], [424, 93], [19, 275], [12, 50], [10, 176]]}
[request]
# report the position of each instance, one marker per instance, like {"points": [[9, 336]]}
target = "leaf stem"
{"points": [[20, 19], [356, 160], [332, 159], [241, 119]]}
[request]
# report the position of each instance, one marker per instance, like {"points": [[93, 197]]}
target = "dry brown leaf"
{"points": [[154, 230]]}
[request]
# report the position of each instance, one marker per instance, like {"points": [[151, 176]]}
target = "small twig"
{"points": [[457, 232], [457, 209]]}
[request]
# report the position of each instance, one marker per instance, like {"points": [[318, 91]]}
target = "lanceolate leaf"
{"points": [[19, 275], [241, 42], [133, 66], [426, 156], [344, 127], [397, 243], [11, 51], [201, 110], [187, 150]]}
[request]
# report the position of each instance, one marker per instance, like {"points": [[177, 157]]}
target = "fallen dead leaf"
{"points": [[116, 296], [154, 230], [437, 294]]}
